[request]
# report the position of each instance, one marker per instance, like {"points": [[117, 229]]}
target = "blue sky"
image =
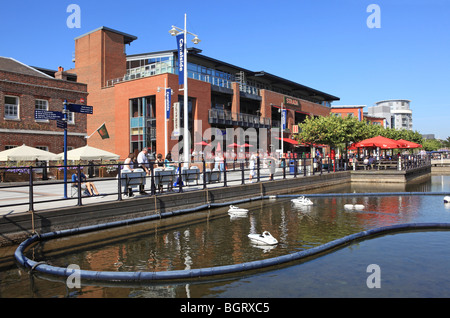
{"points": [[324, 44]]}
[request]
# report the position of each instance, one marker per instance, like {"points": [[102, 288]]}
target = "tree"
{"points": [[338, 132], [431, 144], [446, 143], [333, 131]]}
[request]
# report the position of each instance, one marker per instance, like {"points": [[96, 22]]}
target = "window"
{"points": [[45, 148], [11, 107], [70, 118], [41, 104]]}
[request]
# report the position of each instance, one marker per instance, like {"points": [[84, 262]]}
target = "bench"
{"points": [[191, 174], [387, 164], [133, 178], [212, 175], [164, 177]]}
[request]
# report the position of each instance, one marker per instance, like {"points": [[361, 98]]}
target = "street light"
{"points": [[175, 31]]}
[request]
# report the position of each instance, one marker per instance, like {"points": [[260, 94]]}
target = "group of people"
{"points": [[141, 161]]}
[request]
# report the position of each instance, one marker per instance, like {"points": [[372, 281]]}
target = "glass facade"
{"points": [[143, 123]]}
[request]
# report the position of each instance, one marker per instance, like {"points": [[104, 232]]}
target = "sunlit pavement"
{"points": [[108, 190]]}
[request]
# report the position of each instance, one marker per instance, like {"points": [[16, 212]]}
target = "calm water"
{"points": [[413, 264]]}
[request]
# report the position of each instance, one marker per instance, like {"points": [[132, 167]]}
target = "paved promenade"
{"points": [[18, 193]]}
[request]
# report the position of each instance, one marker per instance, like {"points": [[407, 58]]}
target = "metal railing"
{"points": [[242, 118]]}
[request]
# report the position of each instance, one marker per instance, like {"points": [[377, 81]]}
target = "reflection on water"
{"points": [[219, 239]]}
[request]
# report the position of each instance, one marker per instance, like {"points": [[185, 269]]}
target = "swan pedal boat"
{"points": [[236, 210], [263, 239], [303, 201], [354, 206], [447, 199]]}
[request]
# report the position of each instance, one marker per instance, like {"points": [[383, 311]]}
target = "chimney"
{"points": [[60, 74]]}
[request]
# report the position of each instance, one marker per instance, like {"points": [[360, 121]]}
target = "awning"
{"points": [[379, 141], [291, 141], [408, 144]]}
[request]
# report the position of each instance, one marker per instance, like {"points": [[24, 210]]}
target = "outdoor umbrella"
{"points": [[90, 153], [27, 153], [408, 144], [233, 145], [380, 142], [203, 143]]}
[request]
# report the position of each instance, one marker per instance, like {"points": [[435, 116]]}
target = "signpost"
{"points": [[61, 122]]}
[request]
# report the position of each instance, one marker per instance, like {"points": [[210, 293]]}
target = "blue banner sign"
{"points": [[181, 58], [283, 119], [168, 102], [41, 114], [77, 108]]}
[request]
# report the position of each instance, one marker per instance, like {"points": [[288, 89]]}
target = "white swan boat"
{"points": [[263, 239], [236, 210], [447, 199], [302, 200], [354, 206]]}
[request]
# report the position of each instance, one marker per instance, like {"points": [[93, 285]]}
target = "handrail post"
{"points": [[180, 179], [79, 203], [257, 169], [30, 191], [204, 173], [152, 181], [119, 183], [242, 172], [224, 172]]}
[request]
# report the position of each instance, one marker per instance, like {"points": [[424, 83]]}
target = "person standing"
{"points": [[272, 162], [142, 160], [128, 167], [252, 165]]}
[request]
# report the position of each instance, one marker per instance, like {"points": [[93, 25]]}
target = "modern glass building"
{"points": [[397, 113], [127, 92]]}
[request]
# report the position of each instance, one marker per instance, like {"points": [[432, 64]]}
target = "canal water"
{"points": [[411, 264]]}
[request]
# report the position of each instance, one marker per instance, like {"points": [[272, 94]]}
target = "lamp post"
{"points": [[175, 31]]}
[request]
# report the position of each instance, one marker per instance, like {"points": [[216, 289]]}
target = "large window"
{"points": [[11, 107], [143, 123], [41, 104]]}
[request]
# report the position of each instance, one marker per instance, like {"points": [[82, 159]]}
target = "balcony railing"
{"points": [[161, 68], [218, 116]]}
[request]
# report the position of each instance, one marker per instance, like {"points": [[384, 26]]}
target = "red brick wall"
{"points": [[29, 88], [269, 97], [344, 112]]}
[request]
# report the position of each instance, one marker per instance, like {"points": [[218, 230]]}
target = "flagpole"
{"points": [[95, 131]]}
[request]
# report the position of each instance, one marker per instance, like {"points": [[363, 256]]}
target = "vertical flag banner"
{"points": [[176, 119], [181, 58], [103, 131], [283, 119], [168, 102]]}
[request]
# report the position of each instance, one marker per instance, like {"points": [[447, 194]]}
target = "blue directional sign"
{"points": [[61, 124], [77, 108], [45, 114]]}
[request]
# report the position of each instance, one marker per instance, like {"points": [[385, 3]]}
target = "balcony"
{"points": [[224, 117]]}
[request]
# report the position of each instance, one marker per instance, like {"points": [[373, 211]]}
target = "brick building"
{"points": [[127, 92], [23, 89], [357, 111]]}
